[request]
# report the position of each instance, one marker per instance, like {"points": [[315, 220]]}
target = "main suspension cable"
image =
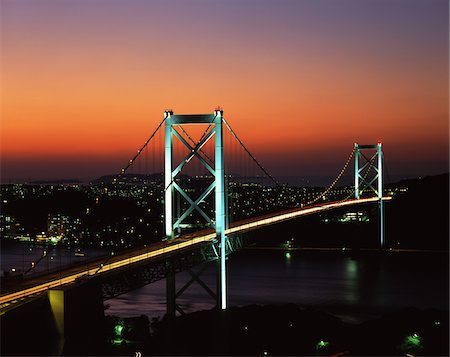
{"points": [[338, 177], [142, 148], [250, 154]]}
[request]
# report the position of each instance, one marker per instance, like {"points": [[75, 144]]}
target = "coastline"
{"points": [[290, 329]]}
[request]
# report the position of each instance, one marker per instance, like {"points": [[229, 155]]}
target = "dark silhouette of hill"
{"points": [[420, 217], [417, 218], [56, 182], [128, 178]]}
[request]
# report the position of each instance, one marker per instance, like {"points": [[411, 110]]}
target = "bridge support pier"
{"points": [[56, 299], [78, 314], [172, 294], [170, 291]]}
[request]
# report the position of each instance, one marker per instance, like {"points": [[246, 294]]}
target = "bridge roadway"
{"points": [[37, 285]]}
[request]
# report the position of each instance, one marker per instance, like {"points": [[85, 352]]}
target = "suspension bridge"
{"points": [[202, 222]]}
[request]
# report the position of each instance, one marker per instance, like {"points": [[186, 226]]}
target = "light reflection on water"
{"points": [[331, 281]]}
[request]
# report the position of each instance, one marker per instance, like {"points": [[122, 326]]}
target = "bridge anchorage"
{"points": [[366, 181], [172, 188]]}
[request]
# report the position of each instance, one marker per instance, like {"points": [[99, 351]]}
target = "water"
{"points": [[355, 289], [33, 259]]}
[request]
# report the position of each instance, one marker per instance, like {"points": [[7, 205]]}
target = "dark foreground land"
{"points": [[284, 331], [270, 330]]}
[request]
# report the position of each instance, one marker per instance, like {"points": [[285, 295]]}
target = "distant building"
{"points": [[354, 217], [62, 228], [8, 226], [348, 217]]}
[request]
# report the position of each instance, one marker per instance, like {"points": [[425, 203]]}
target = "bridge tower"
{"points": [[218, 185], [363, 162]]}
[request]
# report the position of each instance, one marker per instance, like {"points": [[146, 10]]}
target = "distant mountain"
{"points": [[129, 178], [420, 216], [55, 182], [429, 182], [141, 179], [436, 180]]}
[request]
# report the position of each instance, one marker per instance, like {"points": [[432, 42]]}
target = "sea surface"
{"points": [[32, 259], [353, 287]]}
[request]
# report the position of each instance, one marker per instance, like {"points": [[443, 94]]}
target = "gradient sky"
{"points": [[85, 82]]}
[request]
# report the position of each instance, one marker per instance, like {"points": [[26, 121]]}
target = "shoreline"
{"points": [[347, 249]]}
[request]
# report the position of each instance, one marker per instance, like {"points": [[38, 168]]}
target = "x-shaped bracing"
{"points": [[364, 178], [193, 152]]}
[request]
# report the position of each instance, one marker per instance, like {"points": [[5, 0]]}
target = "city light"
{"points": [[118, 330], [322, 344], [412, 343]]}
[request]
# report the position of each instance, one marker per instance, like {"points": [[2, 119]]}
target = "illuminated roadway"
{"points": [[98, 267]]}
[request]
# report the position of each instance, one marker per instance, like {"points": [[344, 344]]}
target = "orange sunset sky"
{"points": [[85, 82]]}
